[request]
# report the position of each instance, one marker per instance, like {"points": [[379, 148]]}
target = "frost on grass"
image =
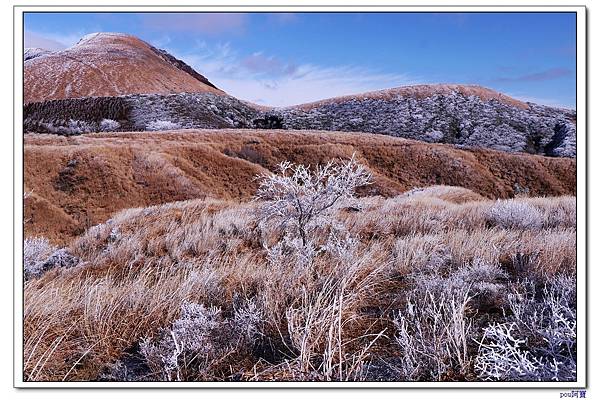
{"points": [[162, 125], [67, 127], [35, 252], [199, 339], [40, 256], [538, 341], [109, 125], [515, 214], [434, 329], [432, 332]]}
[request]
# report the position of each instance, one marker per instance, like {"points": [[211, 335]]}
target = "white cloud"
{"points": [[32, 39], [541, 100], [267, 80], [51, 41]]}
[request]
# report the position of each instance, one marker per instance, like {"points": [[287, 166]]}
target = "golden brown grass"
{"points": [[327, 322], [119, 171]]}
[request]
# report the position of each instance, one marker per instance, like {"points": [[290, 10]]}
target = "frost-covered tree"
{"points": [[298, 200]]}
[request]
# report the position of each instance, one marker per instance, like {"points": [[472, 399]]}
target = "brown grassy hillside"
{"points": [[419, 92], [108, 64], [80, 181]]}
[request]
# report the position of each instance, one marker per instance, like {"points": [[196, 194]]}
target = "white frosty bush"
{"points": [[503, 356], [433, 330], [191, 335], [39, 256], [70, 127], [432, 333], [515, 214], [433, 136], [198, 338], [35, 252], [298, 201], [538, 342], [161, 125], [299, 206], [247, 320], [109, 125]]}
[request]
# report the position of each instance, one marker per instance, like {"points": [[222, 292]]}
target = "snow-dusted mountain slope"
{"points": [[33, 52], [109, 64], [138, 112], [459, 114]]}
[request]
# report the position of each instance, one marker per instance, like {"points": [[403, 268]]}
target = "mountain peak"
{"points": [[109, 64]]}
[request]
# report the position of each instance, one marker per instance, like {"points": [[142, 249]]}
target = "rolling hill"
{"points": [[108, 64]]}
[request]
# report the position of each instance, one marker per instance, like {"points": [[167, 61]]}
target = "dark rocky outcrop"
{"points": [[268, 121]]}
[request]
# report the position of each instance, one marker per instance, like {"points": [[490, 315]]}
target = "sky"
{"points": [[282, 59]]}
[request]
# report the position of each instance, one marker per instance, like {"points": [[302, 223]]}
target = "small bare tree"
{"points": [[299, 200]]}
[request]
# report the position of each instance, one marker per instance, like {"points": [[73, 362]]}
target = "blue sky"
{"points": [[289, 58]]}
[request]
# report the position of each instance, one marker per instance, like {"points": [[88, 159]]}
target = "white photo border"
{"points": [[581, 195]]}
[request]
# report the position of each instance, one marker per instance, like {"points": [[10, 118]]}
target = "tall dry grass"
{"points": [[334, 319]]}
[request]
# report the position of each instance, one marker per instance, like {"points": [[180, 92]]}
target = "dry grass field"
{"points": [[80, 181], [433, 284], [287, 244]]}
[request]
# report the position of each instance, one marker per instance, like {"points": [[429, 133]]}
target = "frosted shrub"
{"points": [[161, 125], [432, 333], [191, 335], [538, 342], [299, 202], [433, 136], [476, 279], [503, 357], [247, 320], [481, 278], [35, 252], [513, 214], [341, 244], [109, 125], [433, 330], [68, 127], [198, 339]]}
